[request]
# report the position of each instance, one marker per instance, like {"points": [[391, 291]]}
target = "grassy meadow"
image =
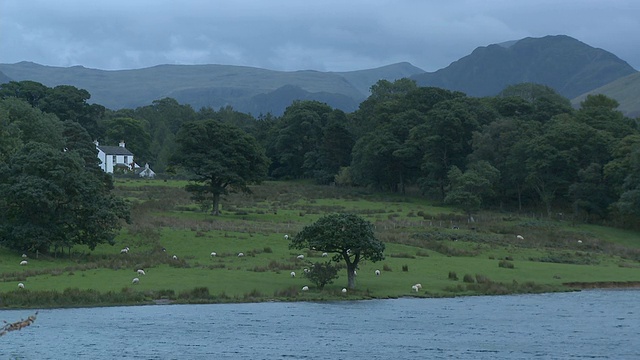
{"points": [[434, 246]]}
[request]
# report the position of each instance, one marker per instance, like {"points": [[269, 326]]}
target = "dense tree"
{"points": [[468, 190], [297, 140], [349, 237], [445, 141], [49, 199], [135, 133], [29, 91], [220, 159]]}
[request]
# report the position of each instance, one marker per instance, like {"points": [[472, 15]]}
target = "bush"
{"points": [[505, 264], [453, 276], [468, 278], [322, 274], [405, 268]]}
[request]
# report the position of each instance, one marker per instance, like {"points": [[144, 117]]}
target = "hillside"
{"points": [[212, 85], [560, 62], [625, 90]]}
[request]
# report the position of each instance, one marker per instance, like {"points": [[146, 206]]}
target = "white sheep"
{"points": [[24, 256], [306, 271], [124, 251], [24, 262], [415, 288], [141, 272], [293, 274], [20, 285], [305, 288], [240, 254], [325, 254], [377, 272], [135, 281], [344, 290], [419, 286], [286, 237], [300, 257], [520, 237], [213, 254], [579, 241], [175, 257]]}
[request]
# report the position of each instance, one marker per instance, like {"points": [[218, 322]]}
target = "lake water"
{"points": [[593, 324]]}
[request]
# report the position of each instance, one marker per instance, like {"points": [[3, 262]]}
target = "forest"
{"points": [[526, 149]]}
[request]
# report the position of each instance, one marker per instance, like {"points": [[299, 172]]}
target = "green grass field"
{"points": [[421, 247]]}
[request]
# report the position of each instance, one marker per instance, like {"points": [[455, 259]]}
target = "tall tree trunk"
{"points": [[351, 276], [216, 205]]}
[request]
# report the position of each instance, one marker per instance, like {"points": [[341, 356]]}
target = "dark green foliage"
{"points": [[322, 273], [349, 237], [468, 278], [505, 264], [220, 159], [453, 276]]}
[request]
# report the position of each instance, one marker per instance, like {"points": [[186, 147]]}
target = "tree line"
{"points": [[526, 148]]}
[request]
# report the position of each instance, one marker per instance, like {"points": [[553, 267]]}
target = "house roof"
{"points": [[114, 150]]}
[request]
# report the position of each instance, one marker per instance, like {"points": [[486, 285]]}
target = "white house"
{"points": [[112, 157]]}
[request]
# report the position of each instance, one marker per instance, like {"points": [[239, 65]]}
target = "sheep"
{"points": [[135, 281], [24, 262], [24, 256], [305, 288], [325, 254], [306, 271], [415, 288], [293, 274], [20, 286], [344, 290], [175, 257], [213, 254], [579, 241], [141, 272], [124, 251], [300, 257], [419, 286], [520, 237], [286, 237], [240, 254]]}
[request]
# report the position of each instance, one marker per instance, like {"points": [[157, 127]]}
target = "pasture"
{"points": [[434, 246]]}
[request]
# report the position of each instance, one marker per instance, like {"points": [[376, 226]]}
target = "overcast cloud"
{"points": [[324, 35]]}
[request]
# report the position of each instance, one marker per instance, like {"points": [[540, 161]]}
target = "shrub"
{"points": [[405, 268], [453, 276], [505, 264], [322, 274], [386, 267], [468, 278]]}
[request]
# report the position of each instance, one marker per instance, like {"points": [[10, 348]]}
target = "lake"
{"points": [[592, 324]]}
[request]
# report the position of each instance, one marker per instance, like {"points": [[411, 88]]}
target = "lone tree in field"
{"points": [[348, 236], [221, 157]]}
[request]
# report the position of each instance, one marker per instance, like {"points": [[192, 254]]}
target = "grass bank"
{"points": [[426, 244]]}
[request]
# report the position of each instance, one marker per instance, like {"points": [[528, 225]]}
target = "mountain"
{"points": [[625, 90], [4, 78], [247, 89], [563, 63]]}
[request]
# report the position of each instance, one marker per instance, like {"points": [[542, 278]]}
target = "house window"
{"points": [[114, 160], [126, 159]]}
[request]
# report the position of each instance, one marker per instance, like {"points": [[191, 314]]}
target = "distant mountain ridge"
{"points": [[569, 66], [561, 62], [247, 89]]}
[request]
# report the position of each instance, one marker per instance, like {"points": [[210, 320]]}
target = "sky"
{"points": [[289, 35]]}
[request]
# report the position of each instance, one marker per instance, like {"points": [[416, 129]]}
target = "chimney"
{"points": [[96, 142], [121, 143]]}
